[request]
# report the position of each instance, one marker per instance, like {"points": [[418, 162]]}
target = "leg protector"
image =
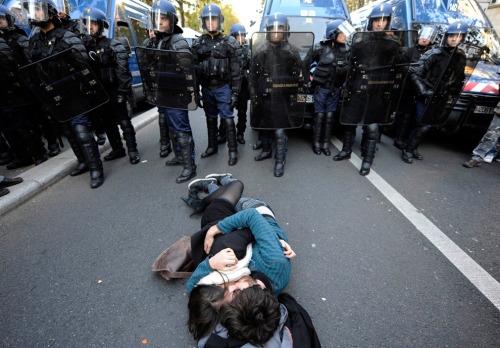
{"points": [[411, 146], [221, 135], [346, 151], [328, 129], [281, 139], [165, 147], [212, 137], [129, 136], [402, 130], [87, 143], [186, 146], [231, 140], [82, 162], [265, 143], [318, 128]]}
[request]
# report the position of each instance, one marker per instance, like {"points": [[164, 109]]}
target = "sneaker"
{"points": [[201, 184], [471, 164], [218, 177]]}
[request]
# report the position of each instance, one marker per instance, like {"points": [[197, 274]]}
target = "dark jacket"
{"points": [[43, 45], [216, 61], [18, 41], [332, 64]]}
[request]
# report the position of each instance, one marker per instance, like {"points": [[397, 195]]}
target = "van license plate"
{"points": [[483, 110]]}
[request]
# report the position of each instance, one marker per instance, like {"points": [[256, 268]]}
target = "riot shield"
{"points": [[446, 93], [378, 70], [277, 79], [168, 78], [11, 88], [65, 84]]}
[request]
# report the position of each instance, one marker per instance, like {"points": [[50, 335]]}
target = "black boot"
{"points": [[279, 166], [177, 160], [346, 147], [413, 143], [91, 152], [266, 147], [165, 147], [129, 136], [186, 145], [370, 139], [371, 145], [115, 140], [77, 150], [328, 129], [212, 137], [54, 149], [34, 145], [195, 202], [232, 145], [221, 134], [401, 131], [318, 127], [259, 143], [101, 138]]}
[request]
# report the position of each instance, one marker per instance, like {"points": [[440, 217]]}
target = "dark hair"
{"points": [[203, 308], [252, 316]]}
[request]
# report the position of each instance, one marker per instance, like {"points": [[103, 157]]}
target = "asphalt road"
{"points": [[75, 263]]}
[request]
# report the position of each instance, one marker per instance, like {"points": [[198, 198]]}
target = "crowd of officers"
{"points": [[223, 65]]}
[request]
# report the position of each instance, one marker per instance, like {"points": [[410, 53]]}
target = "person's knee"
{"points": [[252, 316]]}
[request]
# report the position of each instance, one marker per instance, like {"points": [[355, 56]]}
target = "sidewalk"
{"points": [[40, 177]]}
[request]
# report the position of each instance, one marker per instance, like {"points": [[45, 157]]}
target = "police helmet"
{"points": [[455, 28], [11, 20], [93, 15], [397, 24], [63, 6], [210, 12], [163, 9], [382, 11], [428, 32], [336, 27], [275, 22], [38, 12], [238, 29]]}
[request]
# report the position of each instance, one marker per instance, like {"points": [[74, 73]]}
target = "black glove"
{"points": [[120, 98], [233, 101]]}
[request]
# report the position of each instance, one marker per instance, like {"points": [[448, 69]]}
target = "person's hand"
{"points": [[209, 238], [233, 101], [289, 253], [224, 260]]}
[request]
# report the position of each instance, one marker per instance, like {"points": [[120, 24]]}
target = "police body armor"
{"points": [[276, 80], [60, 76], [378, 67], [216, 61], [442, 70], [332, 65], [167, 70]]}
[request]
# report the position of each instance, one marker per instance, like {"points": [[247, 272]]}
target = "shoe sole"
{"points": [[198, 180], [215, 176]]}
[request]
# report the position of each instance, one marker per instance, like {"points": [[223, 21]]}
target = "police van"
{"points": [[128, 22], [307, 16], [474, 109]]}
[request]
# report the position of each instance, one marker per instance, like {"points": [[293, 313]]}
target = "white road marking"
{"points": [[485, 283]]}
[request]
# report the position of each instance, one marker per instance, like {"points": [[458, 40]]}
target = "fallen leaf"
{"points": [[144, 341], [99, 281]]}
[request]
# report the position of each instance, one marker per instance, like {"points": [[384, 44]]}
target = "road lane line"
{"points": [[488, 286]]}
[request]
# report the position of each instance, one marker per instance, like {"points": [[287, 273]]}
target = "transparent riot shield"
{"points": [[446, 93], [65, 84], [277, 79], [11, 88], [379, 66], [168, 78]]}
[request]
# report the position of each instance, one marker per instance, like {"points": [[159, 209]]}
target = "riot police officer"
{"points": [[50, 40], [15, 122], [218, 70], [425, 40], [331, 57], [174, 123], [426, 76], [69, 24], [276, 59], [387, 50], [109, 60]]}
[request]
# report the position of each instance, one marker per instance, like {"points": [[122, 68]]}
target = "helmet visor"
{"points": [[428, 33], [89, 26], [35, 10], [346, 28], [161, 22], [63, 6], [240, 36], [211, 23]]}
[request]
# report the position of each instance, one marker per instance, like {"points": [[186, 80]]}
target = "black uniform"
{"points": [[280, 59], [174, 123], [109, 60], [17, 122], [328, 76], [218, 72], [77, 130]]}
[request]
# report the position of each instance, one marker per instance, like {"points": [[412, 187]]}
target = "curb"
{"points": [[40, 177]]}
